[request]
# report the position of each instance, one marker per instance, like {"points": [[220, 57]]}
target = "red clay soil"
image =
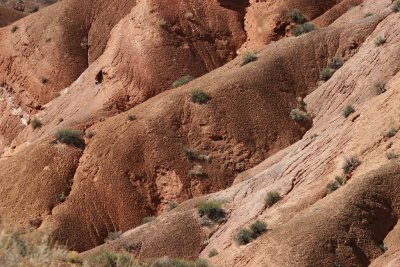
{"points": [[268, 21], [162, 43], [9, 15], [147, 144]]}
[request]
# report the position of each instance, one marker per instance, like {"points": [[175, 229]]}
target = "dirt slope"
{"points": [[8, 16], [147, 144], [353, 225]]}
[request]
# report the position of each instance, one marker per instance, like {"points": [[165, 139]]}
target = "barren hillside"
{"points": [[246, 133]]}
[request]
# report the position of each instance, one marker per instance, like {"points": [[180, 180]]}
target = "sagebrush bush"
{"points": [[14, 28], [336, 63], [380, 88], [212, 253], [244, 236], [148, 219], [198, 171], [350, 164], [17, 249], [111, 259], [299, 115], [326, 74], [391, 132], [396, 6], [379, 40], [131, 117], [272, 198], [61, 197], [167, 262], [248, 57], [348, 110], [182, 81], [112, 236], [36, 123], [392, 155], [369, 14], [334, 185], [70, 137], [303, 28], [296, 16], [212, 209], [199, 96], [194, 155], [172, 205], [258, 228]]}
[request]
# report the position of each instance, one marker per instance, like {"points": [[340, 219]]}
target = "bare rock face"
{"points": [[234, 129]]}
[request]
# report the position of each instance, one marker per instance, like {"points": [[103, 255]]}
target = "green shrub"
{"points": [[299, 115], [112, 236], [303, 28], [148, 219], [244, 236], [350, 165], [69, 137], [380, 88], [258, 228], [336, 63], [369, 14], [396, 6], [296, 16], [334, 185], [198, 171], [212, 209], [248, 57], [199, 96], [36, 123], [391, 132], [90, 134], [182, 81], [172, 205], [379, 40], [14, 28], [348, 110], [392, 155], [212, 253], [193, 155], [61, 197], [111, 259], [131, 117], [326, 74], [17, 249], [272, 198], [167, 262], [308, 27]]}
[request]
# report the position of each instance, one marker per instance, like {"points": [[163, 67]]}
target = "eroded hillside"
{"points": [[294, 97]]}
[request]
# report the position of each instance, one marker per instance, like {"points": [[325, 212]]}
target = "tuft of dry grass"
{"points": [[17, 249]]}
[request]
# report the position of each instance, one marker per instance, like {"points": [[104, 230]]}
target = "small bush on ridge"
{"points": [[212, 209], [182, 81], [348, 110], [272, 198]]}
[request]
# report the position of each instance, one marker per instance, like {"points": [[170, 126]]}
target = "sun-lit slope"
{"points": [[149, 49], [351, 226], [46, 51]]}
